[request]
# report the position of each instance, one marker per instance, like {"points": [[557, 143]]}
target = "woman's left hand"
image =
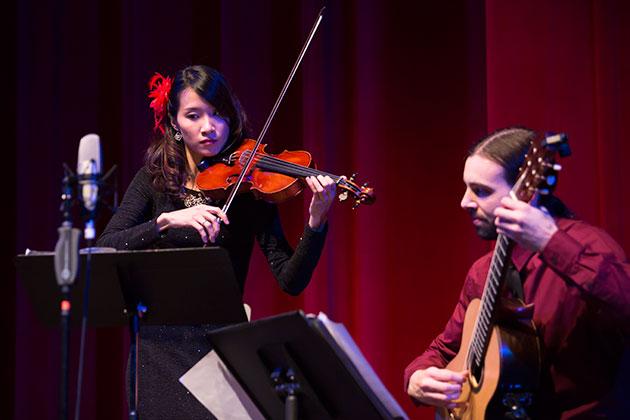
{"points": [[324, 191]]}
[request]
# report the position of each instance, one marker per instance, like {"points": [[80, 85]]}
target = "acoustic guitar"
{"points": [[500, 347]]}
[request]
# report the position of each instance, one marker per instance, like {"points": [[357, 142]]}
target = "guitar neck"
{"points": [[489, 301]]}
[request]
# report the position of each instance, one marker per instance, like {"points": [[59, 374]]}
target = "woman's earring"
{"points": [[178, 136]]}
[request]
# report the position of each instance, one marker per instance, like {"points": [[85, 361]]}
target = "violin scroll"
{"points": [[361, 194]]}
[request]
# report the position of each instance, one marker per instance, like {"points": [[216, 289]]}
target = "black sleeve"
{"points": [[133, 225], [292, 269]]}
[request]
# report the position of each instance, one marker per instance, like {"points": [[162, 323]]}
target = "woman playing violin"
{"points": [[197, 116]]}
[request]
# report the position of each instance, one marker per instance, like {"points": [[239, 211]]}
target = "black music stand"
{"points": [[163, 287], [292, 360]]}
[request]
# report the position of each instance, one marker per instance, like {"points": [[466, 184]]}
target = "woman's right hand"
{"points": [[203, 218], [436, 387]]}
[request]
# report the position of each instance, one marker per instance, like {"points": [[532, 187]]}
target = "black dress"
{"points": [[167, 352]]}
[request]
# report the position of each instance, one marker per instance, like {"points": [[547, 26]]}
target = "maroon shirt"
{"points": [[580, 286]]}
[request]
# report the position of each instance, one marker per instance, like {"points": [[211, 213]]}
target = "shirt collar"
{"points": [[521, 256]]}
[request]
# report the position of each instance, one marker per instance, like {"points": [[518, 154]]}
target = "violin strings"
{"points": [[294, 169], [272, 162]]}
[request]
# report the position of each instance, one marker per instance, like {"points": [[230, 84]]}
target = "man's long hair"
{"points": [[508, 147]]}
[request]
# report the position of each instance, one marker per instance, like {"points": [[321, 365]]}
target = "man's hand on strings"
{"points": [[436, 387]]}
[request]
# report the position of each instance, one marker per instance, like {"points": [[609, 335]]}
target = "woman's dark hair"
{"points": [[508, 147], [166, 158]]}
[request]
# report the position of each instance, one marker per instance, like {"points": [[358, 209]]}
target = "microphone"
{"points": [[67, 256], [89, 172]]}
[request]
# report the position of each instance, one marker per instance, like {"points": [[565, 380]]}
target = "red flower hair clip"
{"points": [[159, 87]]}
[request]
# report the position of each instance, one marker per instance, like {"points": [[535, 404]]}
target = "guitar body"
{"points": [[507, 383]]}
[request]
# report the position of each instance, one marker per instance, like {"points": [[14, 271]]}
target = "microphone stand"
{"points": [[66, 265], [89, 233], [66, 268]]}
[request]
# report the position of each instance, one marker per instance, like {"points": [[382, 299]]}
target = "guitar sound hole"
{"points": [[477, 373]]}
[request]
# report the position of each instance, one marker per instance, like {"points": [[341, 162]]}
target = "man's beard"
{"points": [[487, 230]]}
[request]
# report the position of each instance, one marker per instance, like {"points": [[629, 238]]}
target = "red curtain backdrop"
{"points": [[395, 91]]}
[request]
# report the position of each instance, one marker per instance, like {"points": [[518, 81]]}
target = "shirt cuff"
{"points": [[562, 252], [321, 229]]}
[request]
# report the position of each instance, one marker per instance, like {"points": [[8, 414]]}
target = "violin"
{"points": [[273, 178]]}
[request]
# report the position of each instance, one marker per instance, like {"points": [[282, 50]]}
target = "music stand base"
{"points": [[133, 360]]}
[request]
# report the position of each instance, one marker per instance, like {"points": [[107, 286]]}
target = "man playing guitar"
{"points": [[576, 279]]}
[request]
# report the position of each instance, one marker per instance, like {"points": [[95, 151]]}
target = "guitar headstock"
{"points": [[361, 194], [539, 173]]}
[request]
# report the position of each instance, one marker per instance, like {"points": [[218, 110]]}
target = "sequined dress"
{"points": [[167, 352]]}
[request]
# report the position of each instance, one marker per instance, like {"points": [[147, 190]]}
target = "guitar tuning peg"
{"points": [[365, 185], [343, 196], [354, 175], [557, 167]]}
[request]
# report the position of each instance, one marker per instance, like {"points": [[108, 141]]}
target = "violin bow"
{"points": [[272, 114]]}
